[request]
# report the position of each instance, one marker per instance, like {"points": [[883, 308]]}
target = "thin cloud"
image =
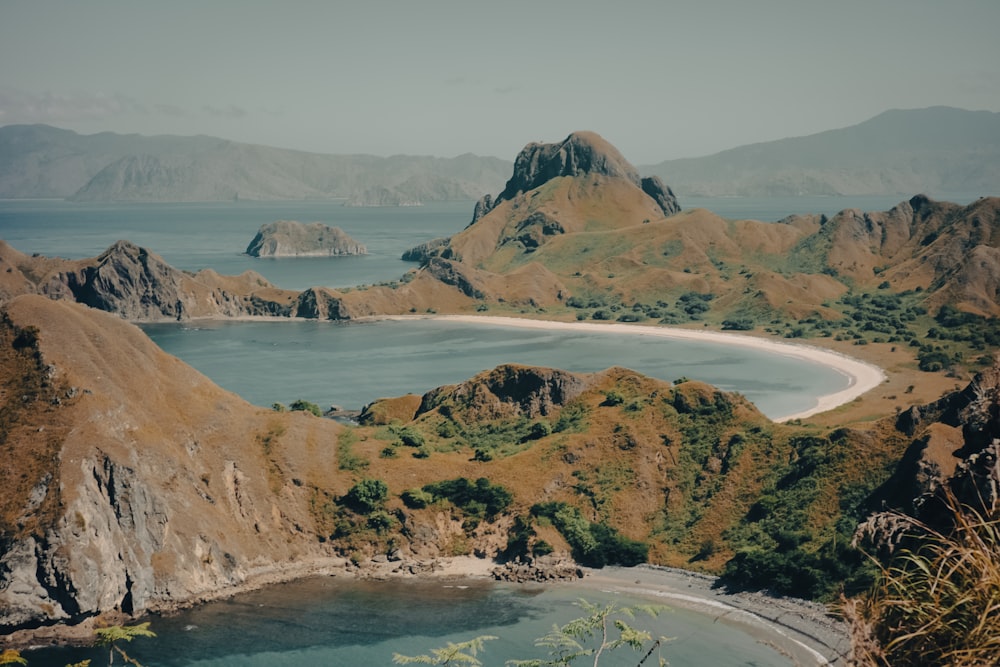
{"points": [[48, 107], [231, 111]]}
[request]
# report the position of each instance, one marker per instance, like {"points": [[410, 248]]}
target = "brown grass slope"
{"points": [[132, 481], [135, 483]]}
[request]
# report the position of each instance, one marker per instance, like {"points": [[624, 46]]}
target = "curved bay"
{"points": [[352, 364]]}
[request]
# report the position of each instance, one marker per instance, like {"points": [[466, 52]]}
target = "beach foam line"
{"points": [[861, 376]]}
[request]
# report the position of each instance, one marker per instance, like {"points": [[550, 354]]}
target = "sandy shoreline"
{"points": [[861, 376], [798, 629]]}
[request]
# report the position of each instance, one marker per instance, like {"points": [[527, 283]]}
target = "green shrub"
{"points": [[479, 499], [592, 544], [305, 406], [367, 495], [410, 436], [613, 398], [416, 498], [380, 521], [540, 429]]}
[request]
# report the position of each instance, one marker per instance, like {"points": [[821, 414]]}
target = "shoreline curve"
{"points": [[862, 376]]}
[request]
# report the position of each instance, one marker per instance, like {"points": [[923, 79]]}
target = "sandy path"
{"points": [[861, 376]]}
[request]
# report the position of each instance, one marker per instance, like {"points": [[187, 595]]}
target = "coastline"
{"points": [[862, 377], [798, 629]]}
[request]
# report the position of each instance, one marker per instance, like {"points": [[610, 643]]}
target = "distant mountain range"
{"points": [[39, 161], [938, 150]]}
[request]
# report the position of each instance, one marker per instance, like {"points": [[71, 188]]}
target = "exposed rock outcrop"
{"points": [[508, 392], [290, 238], [580, 153], [546, 568], [423, 252], [955, 450]]}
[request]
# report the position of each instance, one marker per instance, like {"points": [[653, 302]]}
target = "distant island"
{"points": [[290, 238]]}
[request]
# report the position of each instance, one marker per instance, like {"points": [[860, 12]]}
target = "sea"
{"points": [[339, 622]]}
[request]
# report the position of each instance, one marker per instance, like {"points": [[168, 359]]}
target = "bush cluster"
{"points": [[592, 544], [480, 499]]}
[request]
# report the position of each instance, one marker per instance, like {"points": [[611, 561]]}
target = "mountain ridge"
{"points": [[937, 150], [900, 151], [41, 161]]}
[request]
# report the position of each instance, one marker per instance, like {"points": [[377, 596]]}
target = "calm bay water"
{"points": [[350, 365], [337, 622]]}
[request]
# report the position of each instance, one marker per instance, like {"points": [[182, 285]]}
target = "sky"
{"points": [[659, 79]]}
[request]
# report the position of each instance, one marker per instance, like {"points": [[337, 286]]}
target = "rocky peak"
{"points": [[578, 154], [507, 391]]}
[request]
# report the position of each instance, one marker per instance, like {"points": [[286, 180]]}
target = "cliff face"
{"points": [[154, 486], [137, 284], [289, 238]]}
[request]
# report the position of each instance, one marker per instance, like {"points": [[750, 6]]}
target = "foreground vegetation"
{"points": [[936, 601], [600, 631]]}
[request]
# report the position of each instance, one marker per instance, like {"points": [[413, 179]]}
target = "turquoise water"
{"points": [[336, 621], [197, 236], [350, 365]]}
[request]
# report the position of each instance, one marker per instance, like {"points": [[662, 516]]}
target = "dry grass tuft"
{"points": [[937, 603]]}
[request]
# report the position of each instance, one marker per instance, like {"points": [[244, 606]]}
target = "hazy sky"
{"points": [[657, 78]]}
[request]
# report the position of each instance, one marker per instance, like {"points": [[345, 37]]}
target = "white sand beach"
{"points": [[799, 629], [861, 376]]}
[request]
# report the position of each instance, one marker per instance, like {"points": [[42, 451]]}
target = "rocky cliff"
{"points": [[137, 284], [581, 153], [131, 481], [290, 238]]}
